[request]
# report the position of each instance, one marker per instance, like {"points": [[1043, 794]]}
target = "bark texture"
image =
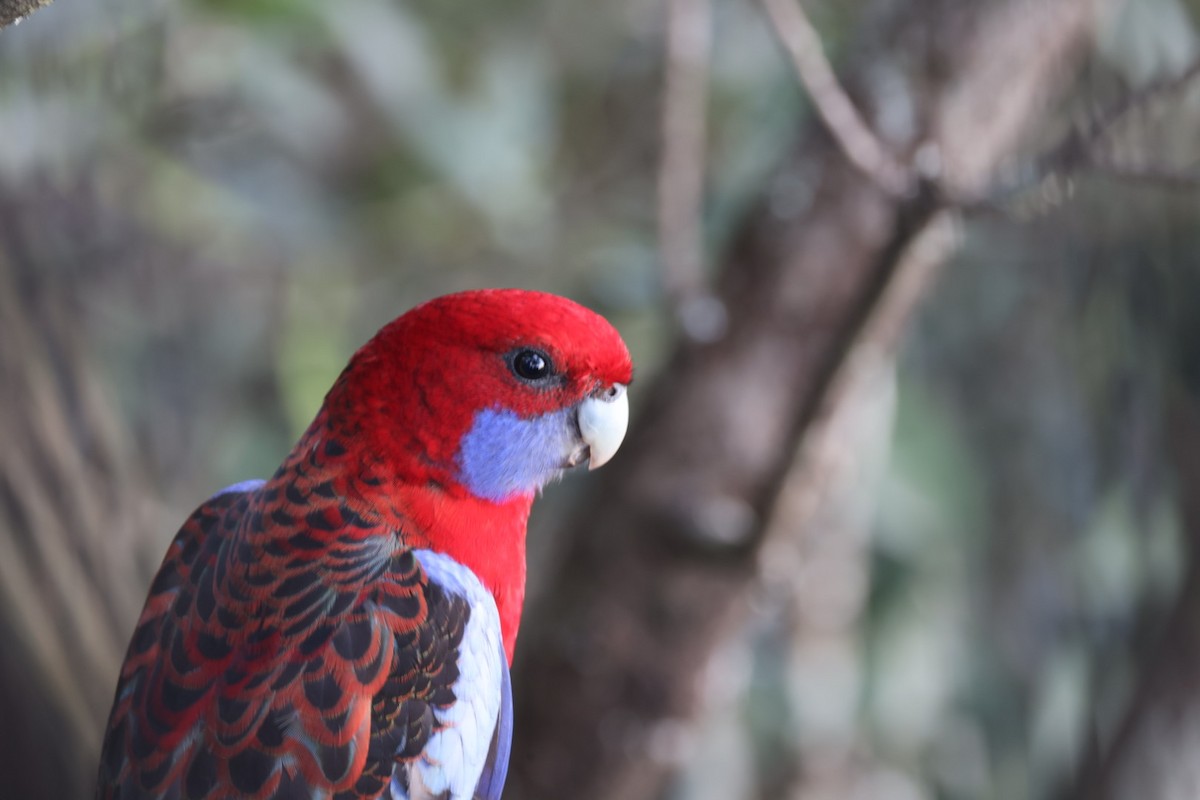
{"points": [[16, 10], [657, 566]]}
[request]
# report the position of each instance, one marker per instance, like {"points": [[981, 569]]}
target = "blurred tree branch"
{"points": [[13, 11], [858, 142], [655, 572], [682, 164], [1083, 149]]}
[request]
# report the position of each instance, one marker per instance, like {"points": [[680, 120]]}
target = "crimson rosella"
{"points": [[344, 629]]}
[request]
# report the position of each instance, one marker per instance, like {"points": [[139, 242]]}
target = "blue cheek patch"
{"points": [[503, 455]]}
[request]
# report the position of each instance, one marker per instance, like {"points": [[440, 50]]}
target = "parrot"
{"points": [[345, 628]]}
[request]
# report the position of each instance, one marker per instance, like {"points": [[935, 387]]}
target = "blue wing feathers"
{"points": [[495, 769], [251, 485]]}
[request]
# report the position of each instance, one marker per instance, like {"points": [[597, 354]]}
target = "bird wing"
{"points": [[465, 754], [383, 670], [495, 768]]}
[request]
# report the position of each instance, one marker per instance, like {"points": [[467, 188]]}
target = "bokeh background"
{"points": [[983, 585]]}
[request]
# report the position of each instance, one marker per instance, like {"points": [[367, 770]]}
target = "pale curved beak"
{"points": [[603, 419]]}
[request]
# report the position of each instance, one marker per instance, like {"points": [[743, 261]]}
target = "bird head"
{"points": [[492, 392]]}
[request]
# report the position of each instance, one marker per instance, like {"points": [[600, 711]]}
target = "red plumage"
{"points": [[291, 641], [463, 336]]}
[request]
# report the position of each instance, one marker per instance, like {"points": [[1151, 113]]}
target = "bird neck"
{"points": [[486, 537], [422, 504]]}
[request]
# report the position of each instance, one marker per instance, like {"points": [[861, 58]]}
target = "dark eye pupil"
{"points": [[531, 365]]}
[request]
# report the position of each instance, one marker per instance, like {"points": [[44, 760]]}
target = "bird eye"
{"points": [[531, 365]]}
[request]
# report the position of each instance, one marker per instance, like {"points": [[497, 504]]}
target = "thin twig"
{"points": [[854, 136], [681, 169], [874, 342], [1137, 98], [1080, 150]]}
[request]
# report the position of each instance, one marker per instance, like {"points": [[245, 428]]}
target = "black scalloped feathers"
{"points": [[289, 644]]}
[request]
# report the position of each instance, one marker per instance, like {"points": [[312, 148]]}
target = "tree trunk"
{"points": [[657, 566]]}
